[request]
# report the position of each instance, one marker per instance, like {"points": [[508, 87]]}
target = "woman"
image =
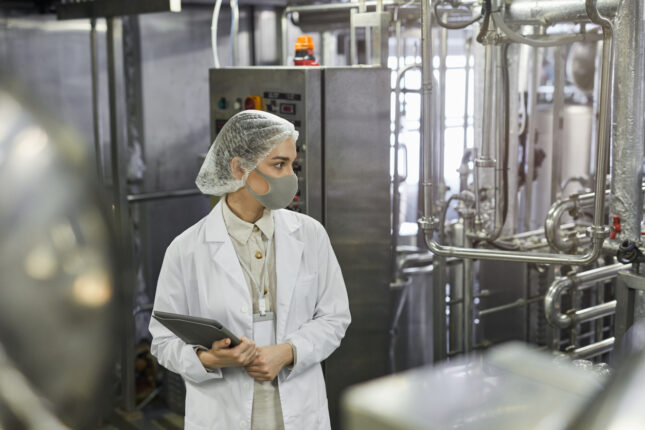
{"points": [[269, 275]]}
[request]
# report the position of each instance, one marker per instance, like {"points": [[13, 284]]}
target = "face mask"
{"points": [[281, 191]]}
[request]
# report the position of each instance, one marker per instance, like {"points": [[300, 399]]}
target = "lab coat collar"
{"points": [[241, 230], [215, 228]]}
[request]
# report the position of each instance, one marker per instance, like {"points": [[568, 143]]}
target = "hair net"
{"points": [[250, 135]]}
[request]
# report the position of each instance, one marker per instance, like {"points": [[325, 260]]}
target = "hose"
{"points": [[235, 24], [218, 6]]}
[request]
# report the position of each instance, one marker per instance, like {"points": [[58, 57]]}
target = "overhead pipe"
{"points": [[550, 12], [598, 231], [581, 280]]}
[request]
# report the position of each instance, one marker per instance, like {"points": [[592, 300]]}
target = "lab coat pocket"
{"points": [[306, 293]]}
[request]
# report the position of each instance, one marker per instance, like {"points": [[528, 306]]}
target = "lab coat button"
{"points": [[243, 309], [256, 229], [246, 385], [242, 424], [258, 255]]}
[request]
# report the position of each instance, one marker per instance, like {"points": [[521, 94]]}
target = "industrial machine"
{"points": [[342, 168], [478, 165]]}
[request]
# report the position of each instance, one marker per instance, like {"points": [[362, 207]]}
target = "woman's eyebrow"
{"points": [[281, 158]]}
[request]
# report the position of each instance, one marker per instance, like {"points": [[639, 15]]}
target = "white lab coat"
{"points": [[201, 276]]}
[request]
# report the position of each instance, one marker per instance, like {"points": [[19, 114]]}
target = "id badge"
{"points": [[264, 329]]}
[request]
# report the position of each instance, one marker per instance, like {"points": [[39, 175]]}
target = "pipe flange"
{"points": [[428, 224], [598, 233], [486, 162]]}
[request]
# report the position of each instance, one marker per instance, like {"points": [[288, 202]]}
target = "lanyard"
{"points": [[263, 276]]}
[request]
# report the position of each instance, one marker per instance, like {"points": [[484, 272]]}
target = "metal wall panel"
{"points": [[357, 216]]}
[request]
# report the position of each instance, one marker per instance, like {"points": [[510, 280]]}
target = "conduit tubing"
{"points": [[581, 280], [598, 231]]}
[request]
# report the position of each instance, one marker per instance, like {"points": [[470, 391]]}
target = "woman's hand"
{"points": [[220, 355], [269, 361]]}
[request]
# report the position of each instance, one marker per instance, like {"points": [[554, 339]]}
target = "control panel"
{"points": [[291, 93]]}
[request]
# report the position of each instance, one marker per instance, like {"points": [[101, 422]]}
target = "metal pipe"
{"points": [[574, 204], [162, 195], [427, 109], [549, 12], [595, 312], [581, 280], [396, 183], [516, 304], [235, 25], [628, 124], [598, 231], [469, 44], [284, 31], [443, 53], [96, 112], [554, 216], [543, 41], [558, 106], [594, 349], [532, 137]]}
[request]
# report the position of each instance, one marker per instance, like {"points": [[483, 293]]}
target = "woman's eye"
{"points": [[279, 165]]}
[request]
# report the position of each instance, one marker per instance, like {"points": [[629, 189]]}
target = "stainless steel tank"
{"points": [[574, 153]]}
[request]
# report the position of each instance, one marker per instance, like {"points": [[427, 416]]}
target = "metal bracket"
{"points": [[74, 9], [380, 22]]}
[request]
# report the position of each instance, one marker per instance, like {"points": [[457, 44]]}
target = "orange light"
{"points": [[305, 43], [253, 102]]}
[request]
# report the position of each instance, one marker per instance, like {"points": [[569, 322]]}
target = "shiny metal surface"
{"points": [[630, 306], [58, 297], [510, 387], [628, 124], [357, 216], [594, 350], [549, 12], [580, 280], [598, 231]]}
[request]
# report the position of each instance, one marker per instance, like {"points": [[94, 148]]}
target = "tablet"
{"points": [[195, 330]]}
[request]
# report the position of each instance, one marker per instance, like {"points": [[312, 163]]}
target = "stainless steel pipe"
{"points": [[574, 203], [553, 218], [594, 349], [549, 12], [427, 112], [594, 312], [582, 280], [396, 182], [598, 231]]}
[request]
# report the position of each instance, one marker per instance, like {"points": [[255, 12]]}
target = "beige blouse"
{"points": [[250, 243]]}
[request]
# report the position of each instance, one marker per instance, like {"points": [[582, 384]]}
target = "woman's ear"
{"points": [[236, 168]]}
